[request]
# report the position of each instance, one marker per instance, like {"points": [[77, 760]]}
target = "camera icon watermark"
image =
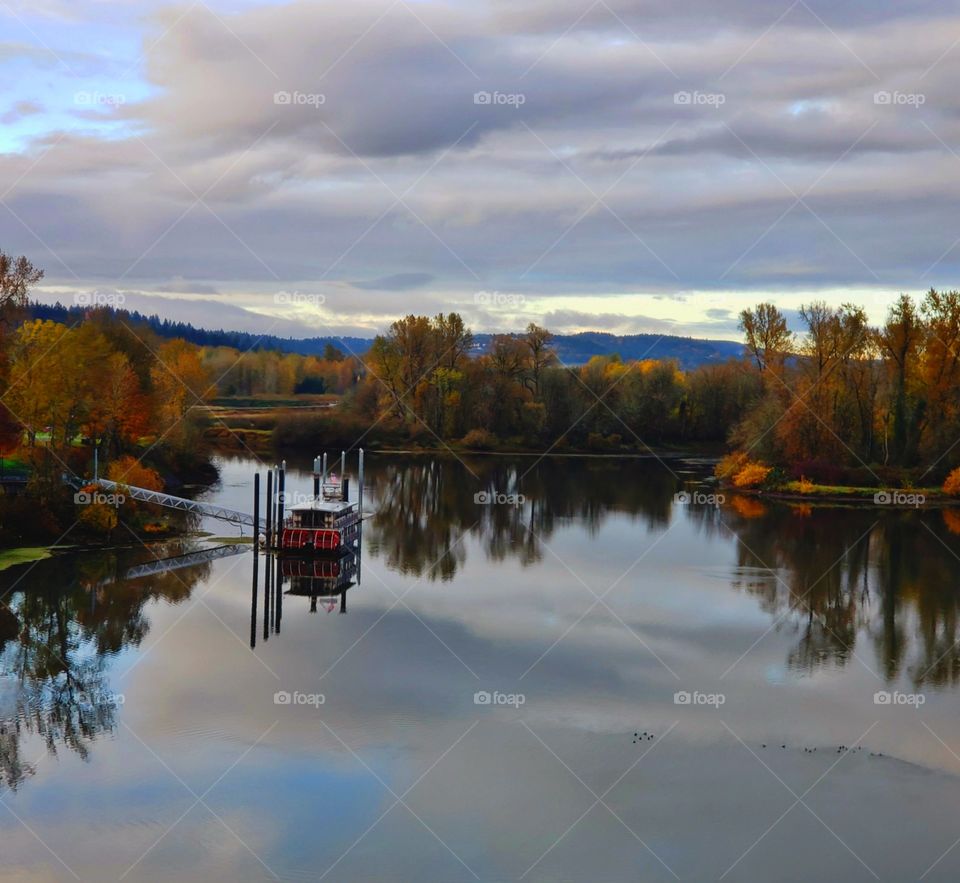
{"points": [[99, 299], [884, 697], [300, 99], [495, 498], [283, 697], [498, 299], [899, 498], [703, 99], [685, 697], [508, 99], [98, 498], [84, 98], [902, 99], [298, 299], [484, 697], [698, 498], [102, 697]]}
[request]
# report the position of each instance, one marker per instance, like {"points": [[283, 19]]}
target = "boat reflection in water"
{"points": [[324, 580]]}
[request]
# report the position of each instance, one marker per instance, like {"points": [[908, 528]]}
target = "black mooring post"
{"points": [[278, 601], [281, 481], [256, 559], [256, 509], [269, 508], [267, 588], [253, 599]]}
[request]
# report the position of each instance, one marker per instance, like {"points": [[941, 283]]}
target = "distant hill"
{"points": [[689, 352], [572, 349]]}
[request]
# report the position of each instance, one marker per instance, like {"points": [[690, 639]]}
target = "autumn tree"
{"points": [[537, 341], [900, 339], [939, 370], [767, 336], [16, 277], [180, 383]]}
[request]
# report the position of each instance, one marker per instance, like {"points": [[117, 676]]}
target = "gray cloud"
{"points": [[396, 282], [179, 285], [19, 110], [392, 181]]}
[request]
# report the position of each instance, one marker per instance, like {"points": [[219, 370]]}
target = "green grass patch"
{"points": [[809, 489], [25, 555], [272, 401]]}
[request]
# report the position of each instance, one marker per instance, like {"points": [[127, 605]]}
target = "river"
{"points": [[577, 675]]}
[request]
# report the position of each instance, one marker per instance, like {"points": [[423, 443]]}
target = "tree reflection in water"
{"points": [[56, 638], [424, 507], [839, 575], [858, 580], [835, 575]]}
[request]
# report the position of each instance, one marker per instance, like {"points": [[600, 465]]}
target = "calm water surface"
{"points": [[749, 692]]}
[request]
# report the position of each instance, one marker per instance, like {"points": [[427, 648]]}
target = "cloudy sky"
{"points": [[623, 165]]}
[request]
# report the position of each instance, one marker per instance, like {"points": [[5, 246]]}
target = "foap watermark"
{"points": [[99, 99], [485, 697], [98, 498], [885, 697], [99, 299], [698, 498], [498, 299], [298, 299], [899, 498], [685, 697], [296, 498], [300, 99], [496, 498], [284, 697], [703, 99], [102, 697], [903, 99], [509, 99]]}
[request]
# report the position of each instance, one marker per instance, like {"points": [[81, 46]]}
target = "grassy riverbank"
{"points": [[24, 555]]}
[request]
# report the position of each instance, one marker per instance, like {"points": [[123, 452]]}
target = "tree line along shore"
{"points": [[837, 409]]}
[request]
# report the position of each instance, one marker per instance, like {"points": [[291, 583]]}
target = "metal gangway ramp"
{"points": [[207, 510]]}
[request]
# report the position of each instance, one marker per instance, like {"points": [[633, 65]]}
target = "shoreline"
{"points": [[933, 498]]}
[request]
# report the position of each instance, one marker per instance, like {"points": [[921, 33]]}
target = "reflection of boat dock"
{"points": [[325, 580], [321, 580]]}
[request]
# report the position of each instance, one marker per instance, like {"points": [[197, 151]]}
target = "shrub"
{"points": [[952, 485], [951, 518], [752, 475], [804, 485], [479, 440], [596, 441], [130, 472], [730, 465]]}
